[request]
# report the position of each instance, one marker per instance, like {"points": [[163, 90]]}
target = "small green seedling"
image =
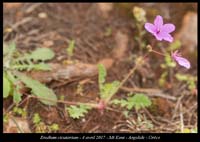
{"points": [[107, 90], [70, 48]]}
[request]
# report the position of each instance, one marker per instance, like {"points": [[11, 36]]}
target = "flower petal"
{"points": [[158, 22], [167, 37], [158, 36], [168, 28], [182, 61], [150, 28]]}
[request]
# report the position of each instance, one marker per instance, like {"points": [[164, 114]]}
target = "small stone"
{"points": [[42, 15]]}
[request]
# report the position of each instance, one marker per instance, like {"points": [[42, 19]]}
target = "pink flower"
{"points": [[180, 60], [160, 31]]}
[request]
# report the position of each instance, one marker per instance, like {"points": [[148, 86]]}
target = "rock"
{"points": [[188, 32]]}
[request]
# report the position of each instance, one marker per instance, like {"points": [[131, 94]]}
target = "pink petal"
{"points": [[150, 28], [182, 61], [158, 36], [168, 37], [158, 22], [165, 36], [168, 28]]}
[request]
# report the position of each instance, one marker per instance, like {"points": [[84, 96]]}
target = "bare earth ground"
{"points": [[86, 24]]}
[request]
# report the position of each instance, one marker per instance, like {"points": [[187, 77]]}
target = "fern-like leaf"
{"points": [[17, 95], [102, 76], [138, 101], [76, 112], [109, 89]]}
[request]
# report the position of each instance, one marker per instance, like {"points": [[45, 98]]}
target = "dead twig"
{"points": [[32, 7], [150, 92]]}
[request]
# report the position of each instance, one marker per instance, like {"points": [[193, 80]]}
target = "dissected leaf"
{"points": [[17, 95], [45, 94], [42, 66], [31, 66], [6, 86], [139, 101], [36, 118], [109, 89], [41, 54], [122, 102], [102, 76], [8, 53], [76, 112]]}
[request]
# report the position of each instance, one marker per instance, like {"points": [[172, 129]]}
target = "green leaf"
{"points": [[36, 118], [109, 89], [162, 79], [122, 102], [169, 61], [70, 48], [102, 76], [31, 66], [8, 53], [6, 86], [54, 127], [187, 78], [76, 112], [45, 94], [17, 95], [139, 101], [42, 66], [181, 77], [41, 54]]}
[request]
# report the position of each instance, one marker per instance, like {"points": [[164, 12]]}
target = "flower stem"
{"points": [[158, 52], [132, 70]]}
